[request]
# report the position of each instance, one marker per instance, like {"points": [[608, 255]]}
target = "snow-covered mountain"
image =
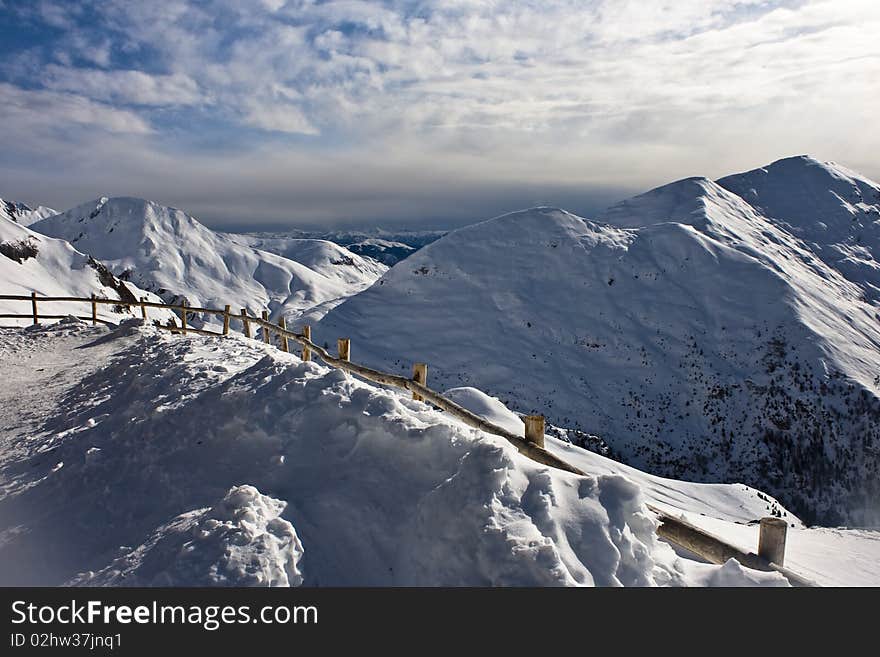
{"points": [[23, 214], [385, 246], [385, 251], [170, 253], [32, 262], [698, 337], [835, 211]]}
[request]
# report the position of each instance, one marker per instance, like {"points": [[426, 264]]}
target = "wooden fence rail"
{"points": [[530, 443]]}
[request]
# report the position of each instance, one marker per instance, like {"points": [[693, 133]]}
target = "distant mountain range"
{"points": [[170, 253], [387, 247]]}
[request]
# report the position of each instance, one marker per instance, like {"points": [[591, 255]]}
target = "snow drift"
{"points": [[223, 461], [698, 337], [241, 541]]}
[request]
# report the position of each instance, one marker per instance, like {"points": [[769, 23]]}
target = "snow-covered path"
{"points": [[41, 365]]}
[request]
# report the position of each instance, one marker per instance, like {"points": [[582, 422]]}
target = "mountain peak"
{"points": [[805, 165], [166, 250], [131, 220], [543, 219], [683, 201], [22, 213], [809, 195], [804, 160]]}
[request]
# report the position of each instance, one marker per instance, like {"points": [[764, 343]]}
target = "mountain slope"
{"points": [[834, 210], [170, 253], [31, 262], [22, 213], [168, 460], [698, 338]]}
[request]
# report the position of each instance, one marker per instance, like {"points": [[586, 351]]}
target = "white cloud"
{"points": [[551, 67], [273, 5], [280, 118], [124, 87], [27, 113], [614, 92]]}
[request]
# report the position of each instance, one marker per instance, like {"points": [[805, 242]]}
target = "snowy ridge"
{"points": [[170, 253], [243, 465], [699, 338], [835, 211], [23, 214], [32, 262]]}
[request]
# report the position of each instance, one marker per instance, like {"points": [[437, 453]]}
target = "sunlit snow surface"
{"points": [[138, 457], [32, 262], [167, 251]]}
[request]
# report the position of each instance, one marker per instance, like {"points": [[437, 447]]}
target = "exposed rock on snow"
{"points": [[388, 253], [387, 247]]}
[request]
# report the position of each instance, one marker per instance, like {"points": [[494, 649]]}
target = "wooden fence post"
{"points": [[246, 325], [771, 540], [344, 347], [226, 319], [306, 352], [283, 325], [265, 317], [143, 308], [535, 429], [183, 317], [94, 311], [420, 375], [34, 307]]}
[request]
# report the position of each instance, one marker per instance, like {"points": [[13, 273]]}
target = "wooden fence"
{"points": [[772, 535]]}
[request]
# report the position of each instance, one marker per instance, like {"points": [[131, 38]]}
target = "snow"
{"points": [[386, 246], [170, 253], [241, 541], [698, 337], [22, 213], [834, 210], [827, 556], [55, 269], [162, 459], [735, 503], [707, 332], [385, 251]]}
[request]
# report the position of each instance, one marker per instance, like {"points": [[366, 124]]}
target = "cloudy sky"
{"points": [[266, 112]]}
